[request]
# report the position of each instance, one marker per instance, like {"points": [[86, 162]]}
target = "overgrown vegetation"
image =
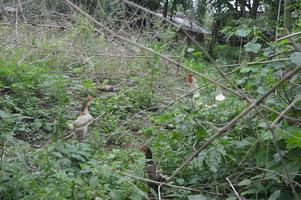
{"points": [[49, 64]]}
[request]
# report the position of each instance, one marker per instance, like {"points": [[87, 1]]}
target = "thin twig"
{"points": [[3, 151], [167, 184], [285, 110], [233, 188], [256, 63], [278, 17]]}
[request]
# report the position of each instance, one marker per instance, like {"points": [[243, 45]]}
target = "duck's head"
{"points": [[146, 151], [189, 78]]}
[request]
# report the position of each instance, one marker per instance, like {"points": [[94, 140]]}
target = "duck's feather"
{"points": [[83, 120]]}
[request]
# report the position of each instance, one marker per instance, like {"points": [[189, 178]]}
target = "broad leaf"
{"points": [[294, 139], [252, 47], [242, 32], [275, 195], [296, 58], [244, 182]]}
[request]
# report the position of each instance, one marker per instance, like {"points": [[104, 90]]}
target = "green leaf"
{"points": [[94, 182], [165, 117], [231, 198], [189, 50], [293, 168], [3, 114], [242, 32], [88, 84], [244, 182], [252, 47], [294, 139], [214, 160], [197, 197], [275, 195], [296, 58], [180, 181]]}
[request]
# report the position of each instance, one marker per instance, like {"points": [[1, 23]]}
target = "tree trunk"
{"points": [[254, 8], [173, 8], [165, 9], [287, 18], [242, 7], [215, 29], [1, 9]]}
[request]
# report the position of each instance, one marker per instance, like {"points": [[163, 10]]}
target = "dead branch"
{"points": [[292, 41], [256, 63], [167, 184], [233, 188], [288, 36], [285, 110]]}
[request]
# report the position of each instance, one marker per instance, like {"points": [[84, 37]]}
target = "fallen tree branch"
{"points": [[167, 184], [288, 36], [292, 41], [256, 63]]}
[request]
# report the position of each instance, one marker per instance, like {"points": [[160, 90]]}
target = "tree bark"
{"points": [[215, 29], [287, 18], [165, 9], [254, 8], [173, 8], [242, 7]]}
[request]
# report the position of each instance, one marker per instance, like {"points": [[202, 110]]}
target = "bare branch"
{"points": [[288, 36], [256, 63], [233, 188], [285, 110]]}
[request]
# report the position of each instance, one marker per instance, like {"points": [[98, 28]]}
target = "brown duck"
{"points": [[151, 168], [83, 120]]}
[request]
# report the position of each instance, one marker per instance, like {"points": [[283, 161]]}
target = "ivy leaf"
{"points": [[242, 32], [275, 195], [296, 58], [197, 197], [252, 47], [244, 182]]}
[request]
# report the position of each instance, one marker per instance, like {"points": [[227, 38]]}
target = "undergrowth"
{"points": [[42, 84]]}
